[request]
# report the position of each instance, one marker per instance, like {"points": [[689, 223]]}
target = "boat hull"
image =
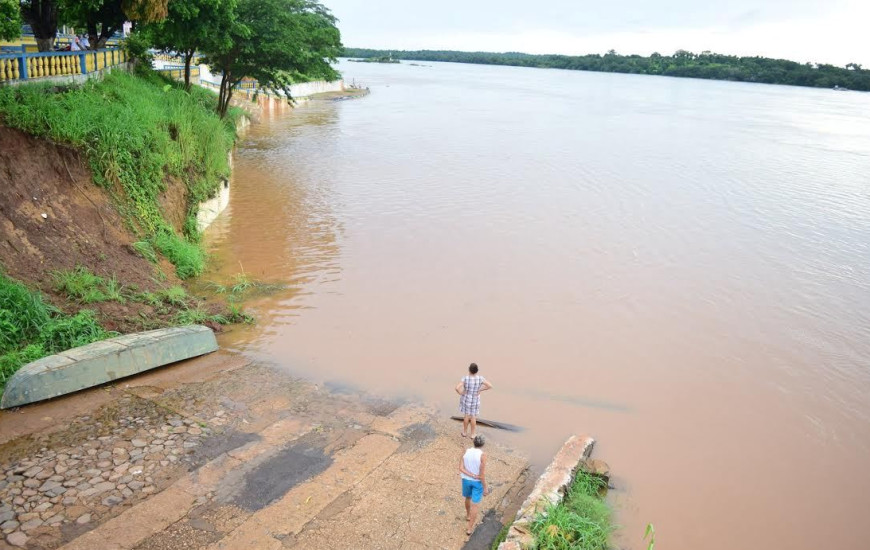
{"points": [[105, 361]]}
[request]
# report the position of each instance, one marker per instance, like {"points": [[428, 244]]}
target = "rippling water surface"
{"points": [[680, 268]]}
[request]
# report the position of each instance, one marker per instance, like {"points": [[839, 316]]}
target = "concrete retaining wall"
{"points": [[548, 491], [211, 209]]}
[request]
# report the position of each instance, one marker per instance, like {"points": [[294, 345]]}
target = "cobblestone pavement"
{"points": [[220, 453]]}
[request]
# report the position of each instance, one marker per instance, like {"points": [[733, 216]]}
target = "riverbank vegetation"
{"points": [[156, 150], [275, 42], [581, 521], [89, 260], [30, 328], [136, 131], [705, 65]]}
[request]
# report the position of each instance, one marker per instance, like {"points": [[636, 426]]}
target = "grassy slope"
{"points": [[135, 130]]}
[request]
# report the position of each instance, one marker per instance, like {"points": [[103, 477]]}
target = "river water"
{"points": [[680, 268]]}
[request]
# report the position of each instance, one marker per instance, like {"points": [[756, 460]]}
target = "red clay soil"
{"points": [[53, 217]]}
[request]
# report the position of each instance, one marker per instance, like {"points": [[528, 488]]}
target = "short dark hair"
{"points": [[479, 441], [472, 368]]}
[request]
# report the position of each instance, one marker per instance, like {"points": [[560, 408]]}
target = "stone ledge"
{"points": [[549, 489]]}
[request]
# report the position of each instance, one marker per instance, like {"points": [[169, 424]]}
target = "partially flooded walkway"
{"points": [[221, 453]]}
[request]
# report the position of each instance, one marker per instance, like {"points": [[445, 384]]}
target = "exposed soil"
{"points": [[53, 217]]}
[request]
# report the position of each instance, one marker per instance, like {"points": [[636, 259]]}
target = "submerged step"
{"points": [[104, 361]]}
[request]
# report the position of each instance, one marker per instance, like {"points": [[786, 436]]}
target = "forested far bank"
{"points": [[711, 66]]}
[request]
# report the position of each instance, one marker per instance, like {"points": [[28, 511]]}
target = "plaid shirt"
{"points": [[469, 402]]}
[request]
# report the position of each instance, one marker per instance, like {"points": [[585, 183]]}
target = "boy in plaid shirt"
{"points": [[469, 389]]}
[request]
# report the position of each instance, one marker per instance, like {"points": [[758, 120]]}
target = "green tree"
{"points": [[103, 18], [10, 20], [192, 25], [276, 42], [41, 15]]}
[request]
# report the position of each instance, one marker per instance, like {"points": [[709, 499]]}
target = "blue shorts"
{"points": [[472, 488]]}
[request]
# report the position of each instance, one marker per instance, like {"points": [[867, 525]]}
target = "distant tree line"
{"points": [[706, 65]]}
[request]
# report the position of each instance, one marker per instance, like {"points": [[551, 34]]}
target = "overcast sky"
{"points": [[832, 31]]}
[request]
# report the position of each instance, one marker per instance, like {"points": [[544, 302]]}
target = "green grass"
{"points": [[136, 131], [81, 285], [30, 328], [198, 315], [243, 284], [582, 521], [500, 538], [188, 257], [146, 250]]}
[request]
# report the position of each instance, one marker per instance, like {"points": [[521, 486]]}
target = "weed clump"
{"points": [[82, 285], [31, 329], [582, 521], [187, 257]]}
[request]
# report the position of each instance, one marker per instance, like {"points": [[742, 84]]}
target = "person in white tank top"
{"points": [[472, 469]]}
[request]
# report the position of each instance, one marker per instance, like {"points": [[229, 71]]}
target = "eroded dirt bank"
{"points": [[53, 217], [219, 452]]}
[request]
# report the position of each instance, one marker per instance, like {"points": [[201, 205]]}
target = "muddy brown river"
{"points": [[680, 268]]}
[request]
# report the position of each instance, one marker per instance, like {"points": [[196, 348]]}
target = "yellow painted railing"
{"points": [[27, 65], [177, 71]]}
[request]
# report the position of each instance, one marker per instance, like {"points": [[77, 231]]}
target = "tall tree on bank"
{"points": [[276, 42], [103, 18], [192, 25], [10, 19], [41, 15]]}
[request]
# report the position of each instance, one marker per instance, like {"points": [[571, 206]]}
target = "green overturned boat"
{"points": [[105, 361]]}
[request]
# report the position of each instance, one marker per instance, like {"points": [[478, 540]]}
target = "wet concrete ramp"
{"points": [[281, 472]]}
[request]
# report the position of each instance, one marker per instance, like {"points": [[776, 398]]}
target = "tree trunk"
{"points": [[222, 95], [188, 56], [45, 44], [42, 18], [227, 105]]}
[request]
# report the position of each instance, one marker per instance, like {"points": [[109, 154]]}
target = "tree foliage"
{"points": [[192, 25], [682, 63], [103, 18], [276, 42], [10, 20]]}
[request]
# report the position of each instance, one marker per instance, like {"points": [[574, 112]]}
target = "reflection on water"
{"points": [[677, 267], [280, 226]]}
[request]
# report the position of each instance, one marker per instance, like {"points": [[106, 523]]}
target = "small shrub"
{"points": [[22, 314], [582, 521], [137, 46], [193, 316], [188, 258], [235, 314], [175, 296], [80, 284], [31, 329], [66, 332], [112, 289]]}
